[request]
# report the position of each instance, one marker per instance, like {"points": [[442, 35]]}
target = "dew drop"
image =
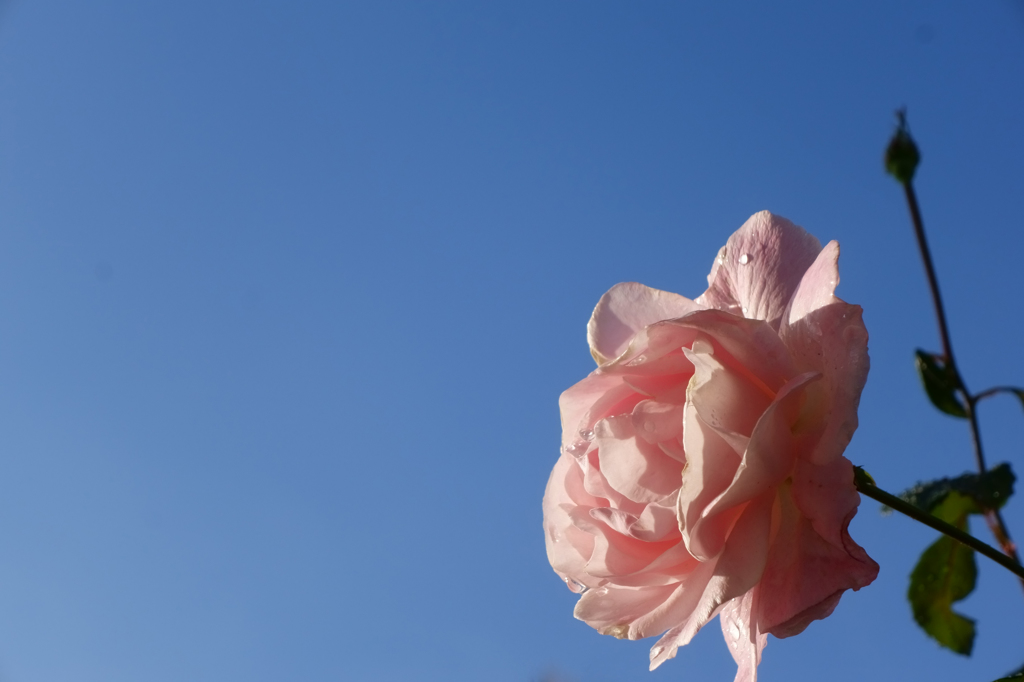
{"points": [[656, 651], [638, 360], [744, 310], [575, 585], [734, 632], [577, 449], [587, 434], [745, 258]]}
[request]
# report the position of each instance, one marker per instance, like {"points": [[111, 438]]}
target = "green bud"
{"points": [[902, 157]]}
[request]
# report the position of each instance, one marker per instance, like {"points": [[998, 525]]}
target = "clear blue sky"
{"points": [[289, 290]]}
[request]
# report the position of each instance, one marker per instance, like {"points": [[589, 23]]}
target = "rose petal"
{"points": [[568, 550], [626, 309], [710, 466], [767, 462], [817, 284], [656, 421], [745, 641], [734, 573], [832, 340], [728, 401], [577, 402], [759, 268], [751, 347], [611, 609], [631, 465], [805, 574]]}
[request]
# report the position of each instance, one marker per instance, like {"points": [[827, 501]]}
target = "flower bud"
{"points": [[902, 157]]}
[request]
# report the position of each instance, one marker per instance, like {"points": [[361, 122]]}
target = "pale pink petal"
{"points": [[678, 611], [626, 309], [654, 524], [672, 566], [611, 609], [576, 402], [664, 389], [568, 549], [827, 335], [711, 464], [832, 340], [597, 485], [655, 351], [759, 268], [745, 641], [734, 573], [615, 554], [767, 462], [750, 347], [656, 421], [826, 496], [632, 466], [817, 284], [805, 574], [728, 401]]}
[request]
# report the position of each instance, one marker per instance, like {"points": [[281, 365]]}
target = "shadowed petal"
{"points": [[805, 574]]}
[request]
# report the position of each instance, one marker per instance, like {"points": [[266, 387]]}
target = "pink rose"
{"points": [[702, 467]]}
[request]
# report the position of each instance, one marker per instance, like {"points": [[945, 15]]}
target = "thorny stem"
{"points": [[992, 516], [868, 489]]}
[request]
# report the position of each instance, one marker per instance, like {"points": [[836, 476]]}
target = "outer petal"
{"points": [[826, 335], [578, 400], [611, 610], [735, 572], [759, 268], [745, 640], [569, 549], [626, 309], [806, 575]]}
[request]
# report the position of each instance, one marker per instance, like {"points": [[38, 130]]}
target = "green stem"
{"points": [[995, 390], [866, 487], [993, 518]]}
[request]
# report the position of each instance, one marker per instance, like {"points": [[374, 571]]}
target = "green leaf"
{"points": [[1011, 678], [940, 383], [945, 574], [989, 490]]}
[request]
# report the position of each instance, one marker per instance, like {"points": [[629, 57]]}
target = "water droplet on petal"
{"points": [[744, 310], [656, 651], [638, 360], [577, 449], [745, 258], [575, 585], [587, 434], [734, 632]]}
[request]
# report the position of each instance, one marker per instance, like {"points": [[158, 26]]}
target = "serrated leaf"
{"points": [[989, 490], [940, 383], [945, 574]]}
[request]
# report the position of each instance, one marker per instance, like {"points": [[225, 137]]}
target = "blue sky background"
{"points": [[289, 290]]}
